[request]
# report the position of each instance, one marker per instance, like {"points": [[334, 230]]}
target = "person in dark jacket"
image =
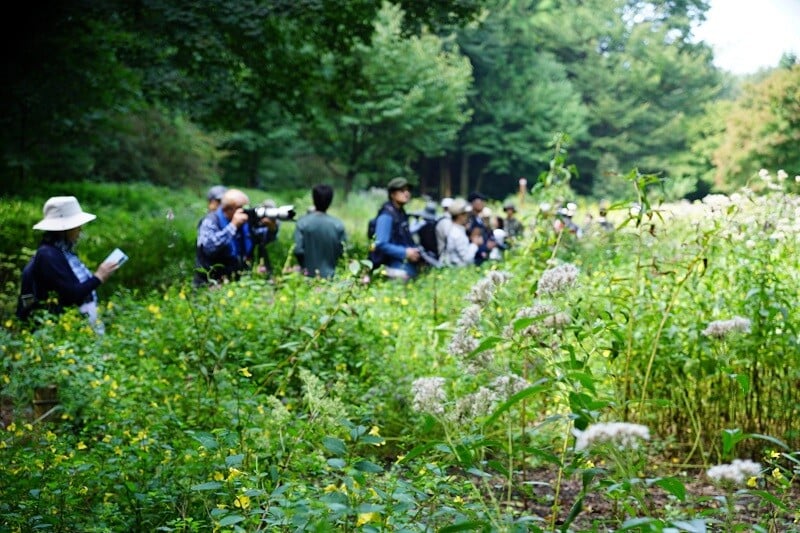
{"points": [[393, 237], [225, 241], [57, 270]]}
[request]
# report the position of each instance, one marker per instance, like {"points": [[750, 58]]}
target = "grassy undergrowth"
{"points": [[477, 399]]}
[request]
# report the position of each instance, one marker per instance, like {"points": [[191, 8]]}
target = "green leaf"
{"points": [[209, 485], [367, 466], [334, 445], [518, 397], [207, 440], [672, 485], [234, 460], [464, 526], [231, 519], [336, 462], [766, 496]]}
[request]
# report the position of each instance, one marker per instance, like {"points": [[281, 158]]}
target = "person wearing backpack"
{"points": [[56, 269], [394, 245]]}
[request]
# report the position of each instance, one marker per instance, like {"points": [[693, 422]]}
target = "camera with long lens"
{"points": [[259, 212]]}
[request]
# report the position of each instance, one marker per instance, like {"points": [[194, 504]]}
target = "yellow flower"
{"points": [[245, 372], [777, 473], [375, 431], [458, 499], [242, 501], [81, 446], [751, 482], [775, 454], [330, 488], [219, 476], [365, 518], [233, 473]]}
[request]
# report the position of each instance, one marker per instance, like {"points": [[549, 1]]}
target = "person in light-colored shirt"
{"points": [[459, 251]]}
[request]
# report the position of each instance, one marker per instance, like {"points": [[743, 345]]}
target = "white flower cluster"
{"points": [[509, 385], [462, 344], [557, 278], [624, 434], [483, 291], [721, 328], [470, 317], [739, 471], [486, 399], [429, 395]]}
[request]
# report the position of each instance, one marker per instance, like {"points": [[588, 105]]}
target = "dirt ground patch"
{"points": [[752, 508]]}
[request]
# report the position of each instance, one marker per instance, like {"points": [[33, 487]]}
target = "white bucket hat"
{"points": [[62, 213]]}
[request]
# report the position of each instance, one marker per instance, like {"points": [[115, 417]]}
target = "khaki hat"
{"points": [[398, 184], [62, 213], [459, 206]]}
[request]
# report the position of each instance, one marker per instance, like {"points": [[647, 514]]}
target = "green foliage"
{"points": [[760, 130], [294, 404], [149, 146], [411, 102]]}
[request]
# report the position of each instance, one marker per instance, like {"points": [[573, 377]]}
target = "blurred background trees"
{"points": [[459, 94]]}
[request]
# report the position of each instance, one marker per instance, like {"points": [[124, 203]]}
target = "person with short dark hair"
{"points": [[393, 239], [57, 269], [319, 237]]}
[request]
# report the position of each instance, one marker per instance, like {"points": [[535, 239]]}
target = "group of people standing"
{"points": [[229, 242], [465, 235]]}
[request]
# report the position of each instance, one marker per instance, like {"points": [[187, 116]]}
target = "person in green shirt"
{"points": [[319, 237]]}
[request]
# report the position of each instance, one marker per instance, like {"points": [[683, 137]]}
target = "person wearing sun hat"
{"points": [[459, 251], [56, 269]]}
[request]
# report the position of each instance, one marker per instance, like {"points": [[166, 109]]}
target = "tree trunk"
{"points": [[464, 185], [445, 178]]}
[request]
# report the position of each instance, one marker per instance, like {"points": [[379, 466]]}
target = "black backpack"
{"points": [[427, 237], [27, 302]]}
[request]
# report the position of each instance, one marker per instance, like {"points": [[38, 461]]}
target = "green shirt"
{"points": [[318, 243]]}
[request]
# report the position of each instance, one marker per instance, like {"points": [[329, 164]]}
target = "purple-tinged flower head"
{"points": [[721, 328], [483, 291], [429, 395], [557, 278]]}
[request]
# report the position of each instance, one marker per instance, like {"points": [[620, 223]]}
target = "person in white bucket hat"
{"points": [[57, 269]]}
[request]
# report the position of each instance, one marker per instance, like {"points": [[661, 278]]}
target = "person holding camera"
{"points": [[225, 240], [319, 237]]}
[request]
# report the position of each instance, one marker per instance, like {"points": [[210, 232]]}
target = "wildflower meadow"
{"points": [[639, 379]]}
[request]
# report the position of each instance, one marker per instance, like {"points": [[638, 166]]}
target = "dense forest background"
{"points": [[458, 94]]}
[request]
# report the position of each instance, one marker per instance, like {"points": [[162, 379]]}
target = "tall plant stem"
{"points": [[665, 316]]}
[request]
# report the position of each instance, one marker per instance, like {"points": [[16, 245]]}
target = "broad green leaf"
{"points": [[334, 445]]}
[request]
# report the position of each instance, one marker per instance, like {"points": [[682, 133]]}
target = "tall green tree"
{"points": [[411, 101], [223, 65], [522, 97], [761, 129], [641, 76]]}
